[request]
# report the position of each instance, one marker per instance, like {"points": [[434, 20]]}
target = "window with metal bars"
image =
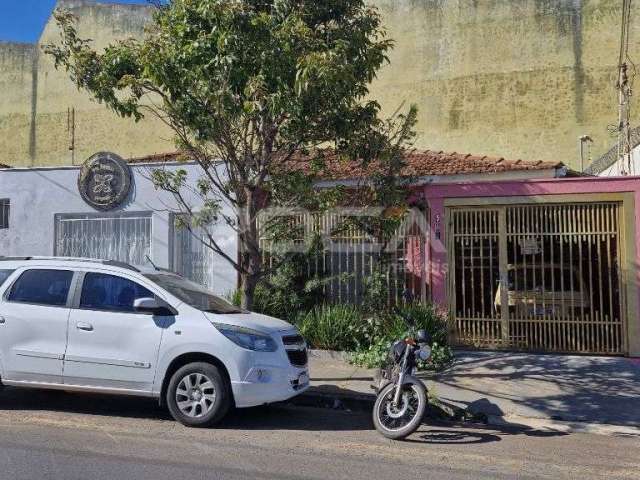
{"points": [[4, 212]]}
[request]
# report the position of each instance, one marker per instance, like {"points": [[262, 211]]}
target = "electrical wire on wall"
{"points": [[624, 86]]}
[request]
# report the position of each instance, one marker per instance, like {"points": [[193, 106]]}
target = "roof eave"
{"points": [[554, 172]]}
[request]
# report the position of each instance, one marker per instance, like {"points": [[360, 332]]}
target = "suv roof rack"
{"points": [[111, 263]]}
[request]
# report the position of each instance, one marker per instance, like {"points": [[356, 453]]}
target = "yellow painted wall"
{"points": [[515, 78], [34, 114]]}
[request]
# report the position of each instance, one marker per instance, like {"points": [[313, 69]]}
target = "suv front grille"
{"points": [[296, 349], [298, 358], [292, 339]]}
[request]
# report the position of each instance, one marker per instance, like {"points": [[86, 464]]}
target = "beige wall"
{"points": [[34, 115], [516, 78]]}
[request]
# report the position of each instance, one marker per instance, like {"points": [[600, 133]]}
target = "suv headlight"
{"points": [[247, 338]]}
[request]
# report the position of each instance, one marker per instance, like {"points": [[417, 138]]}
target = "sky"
{"points": [[23, 20]]}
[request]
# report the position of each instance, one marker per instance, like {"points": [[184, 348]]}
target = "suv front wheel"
{"points": [[198, 395]]}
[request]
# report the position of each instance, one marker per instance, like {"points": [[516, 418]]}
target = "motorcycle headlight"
{"points": [[424, 353], [247, 338]]}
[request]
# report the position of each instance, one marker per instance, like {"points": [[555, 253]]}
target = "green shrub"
{"points": [[365, 332], [373, 356], [235, 297], [332, 327], [428, 318], [386, 327]]}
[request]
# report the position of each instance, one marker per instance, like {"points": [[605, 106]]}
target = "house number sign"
{"points": [[530, 246], [104, 181]]}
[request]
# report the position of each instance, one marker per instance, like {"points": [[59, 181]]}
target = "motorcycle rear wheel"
{"points": [[400, 422]]}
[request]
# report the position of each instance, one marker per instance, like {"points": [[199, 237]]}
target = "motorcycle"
{"points": [[401, 397]]}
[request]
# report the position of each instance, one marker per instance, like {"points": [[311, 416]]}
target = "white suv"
{"points": [[103, 326]]}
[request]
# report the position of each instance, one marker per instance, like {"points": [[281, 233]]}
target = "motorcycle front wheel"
{"points": [[400, 421]]}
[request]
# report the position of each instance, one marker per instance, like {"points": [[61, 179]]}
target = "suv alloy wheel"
{"points": [[198, 395]]}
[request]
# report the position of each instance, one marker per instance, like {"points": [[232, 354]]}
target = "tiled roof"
{"points": [[428, 163], [418, 164], [158, 158]]}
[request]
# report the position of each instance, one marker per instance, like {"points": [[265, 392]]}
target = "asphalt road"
{"points": [[56, 435]]}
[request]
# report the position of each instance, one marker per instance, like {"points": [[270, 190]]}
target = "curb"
{"points": [[444, 411], [364, 403], [550, 425], [329, 355], [335, 400]]}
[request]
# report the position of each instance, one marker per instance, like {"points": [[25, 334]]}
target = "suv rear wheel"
{"points": [[198, 395]]}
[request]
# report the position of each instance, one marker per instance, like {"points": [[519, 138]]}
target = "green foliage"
{"points": [[428, 318], [375, 292], [382, 329], [289, 288], [235, 297], [372, 356], [369, 337], [332, 327]]}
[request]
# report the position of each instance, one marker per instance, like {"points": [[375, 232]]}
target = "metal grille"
{"points": [[125, 238], [351, 255], [4, 212], [194, 259], [475, 264], [538, 277]]}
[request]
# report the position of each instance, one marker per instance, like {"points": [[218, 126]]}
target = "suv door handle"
{"points": [[87, 327], [3, 320]]}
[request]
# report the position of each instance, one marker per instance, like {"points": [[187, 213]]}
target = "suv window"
{"points": [[4, 274], [110, 293], [42, 287]]}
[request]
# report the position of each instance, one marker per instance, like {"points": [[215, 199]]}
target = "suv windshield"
{"points": [[4, 274], [193, 294]]}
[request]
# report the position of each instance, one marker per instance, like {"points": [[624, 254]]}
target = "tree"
{"points": [[246, 86]]}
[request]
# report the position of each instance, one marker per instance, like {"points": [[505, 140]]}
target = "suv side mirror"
{"points": [[152, 306]]}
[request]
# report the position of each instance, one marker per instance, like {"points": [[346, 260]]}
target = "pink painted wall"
{"points": [[435, 194]]}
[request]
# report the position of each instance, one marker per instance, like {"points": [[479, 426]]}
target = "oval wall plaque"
{"points": [[104, 181]]}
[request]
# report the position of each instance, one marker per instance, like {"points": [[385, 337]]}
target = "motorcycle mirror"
{"points": [[422, 336]]}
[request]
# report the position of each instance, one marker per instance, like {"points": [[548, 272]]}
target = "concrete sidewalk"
{"points": [[511, 387]]}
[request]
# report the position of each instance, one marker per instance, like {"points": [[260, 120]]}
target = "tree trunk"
{"points": [[248, 290], [250, 254]]}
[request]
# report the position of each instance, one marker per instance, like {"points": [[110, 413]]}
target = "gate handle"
{"points": [[87, 327]]}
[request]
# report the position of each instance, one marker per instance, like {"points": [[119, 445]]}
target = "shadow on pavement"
{"points": [[84, 403], [458, 437], [561, 387], [285, 417], [272, 417], [462, 433], [342, 379]]}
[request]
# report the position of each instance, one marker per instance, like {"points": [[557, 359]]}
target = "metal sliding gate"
{"points": [[542, 277]]}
